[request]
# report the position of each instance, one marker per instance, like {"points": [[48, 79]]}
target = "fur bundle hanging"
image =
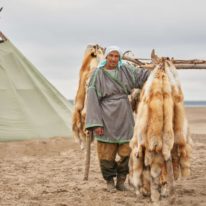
{"points": [[161, 133], [92, 57]]}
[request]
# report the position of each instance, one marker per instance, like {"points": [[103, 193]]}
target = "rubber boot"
{"points": [[120, 183]]}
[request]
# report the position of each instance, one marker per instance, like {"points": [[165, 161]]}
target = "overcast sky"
{"points": [[53, 34]]}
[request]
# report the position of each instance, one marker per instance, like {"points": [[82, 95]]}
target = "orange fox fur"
{"points": [[136, 176], [181, 132], [135, 170], [141, 121], [146, 179], [185, 153], [91, 59], [179, 111], [168, 134], [161, 131], [154, 133]]}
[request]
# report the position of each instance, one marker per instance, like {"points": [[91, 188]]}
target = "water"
{"points": [[195, 103], [186, 103]]}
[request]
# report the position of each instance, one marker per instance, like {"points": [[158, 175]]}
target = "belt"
{"points": [[115, 97]]}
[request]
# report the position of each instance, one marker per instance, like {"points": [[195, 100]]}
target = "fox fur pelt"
{"points": [[161, 132], [181, 130], [91, 59]]}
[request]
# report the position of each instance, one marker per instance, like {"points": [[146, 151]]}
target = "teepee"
{"points": [[30, 107]]}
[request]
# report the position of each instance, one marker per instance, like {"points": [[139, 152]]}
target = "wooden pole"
{"points": [[88, 154], [190, 66], [179, 64]]}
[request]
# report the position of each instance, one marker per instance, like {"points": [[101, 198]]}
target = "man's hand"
{"points": [[99, 131]]}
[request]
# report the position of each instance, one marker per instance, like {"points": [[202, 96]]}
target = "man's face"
{"points": [[112, 59]]}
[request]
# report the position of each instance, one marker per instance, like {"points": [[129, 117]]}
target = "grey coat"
{"points": [[107, 102]]}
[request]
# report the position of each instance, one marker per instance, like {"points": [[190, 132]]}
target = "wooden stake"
{"points": [[88, 153]]}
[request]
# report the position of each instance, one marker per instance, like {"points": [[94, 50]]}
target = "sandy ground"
{"points": [[50, 173]]}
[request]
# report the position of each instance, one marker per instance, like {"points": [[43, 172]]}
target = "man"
{"points": [[109, 114]]}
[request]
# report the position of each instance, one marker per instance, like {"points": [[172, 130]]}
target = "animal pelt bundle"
{"points": [[161, 133], [92, 57]]}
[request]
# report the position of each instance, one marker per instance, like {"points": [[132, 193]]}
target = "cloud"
{"points": [[53, 34]]}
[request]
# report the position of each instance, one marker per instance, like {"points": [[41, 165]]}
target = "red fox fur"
{"points": [[92, 57], [161, 132]]}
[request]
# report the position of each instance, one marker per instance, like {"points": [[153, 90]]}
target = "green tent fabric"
{"points": [[30, 107]]}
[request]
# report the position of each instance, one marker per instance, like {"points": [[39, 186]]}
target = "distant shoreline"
{"points": [[195, 103], [186, 103]]}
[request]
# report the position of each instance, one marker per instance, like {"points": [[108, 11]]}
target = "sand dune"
{"points": [[50, 173]]}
